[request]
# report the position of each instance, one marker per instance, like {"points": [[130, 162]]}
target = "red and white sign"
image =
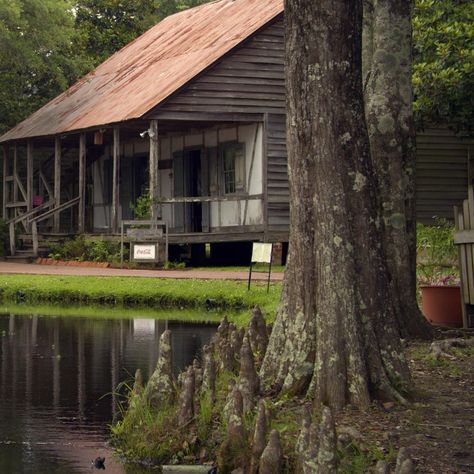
{"points": [[144, 252]]}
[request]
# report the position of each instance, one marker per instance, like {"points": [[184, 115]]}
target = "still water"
{"points": [[58, 386]]}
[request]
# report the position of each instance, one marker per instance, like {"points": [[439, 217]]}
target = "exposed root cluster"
{"points": [[223, 392]]}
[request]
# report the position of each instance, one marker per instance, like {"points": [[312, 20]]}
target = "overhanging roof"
{"points": [[151, 68]]}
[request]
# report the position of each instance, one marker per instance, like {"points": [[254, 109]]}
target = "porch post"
{"points": [[15, 173], [4, 182], [29, 176], [116, 181], [153, 164], [57, 181], [82, 182]]}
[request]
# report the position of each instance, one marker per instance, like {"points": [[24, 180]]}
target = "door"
{"points": [[191, 179]]}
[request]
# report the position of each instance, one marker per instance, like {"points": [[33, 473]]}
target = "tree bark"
{"points": [[336, 336], [388, 99]]}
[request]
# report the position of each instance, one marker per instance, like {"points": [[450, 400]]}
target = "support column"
{"points": [[29, 176], [153, 164], [57, 181], [116, 182], [15, 173], [4, 182], [82, 183]]}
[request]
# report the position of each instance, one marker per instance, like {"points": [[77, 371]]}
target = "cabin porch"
{"points": [[206, 179]]}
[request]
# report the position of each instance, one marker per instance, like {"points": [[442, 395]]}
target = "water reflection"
{"points": [[58, 380]]}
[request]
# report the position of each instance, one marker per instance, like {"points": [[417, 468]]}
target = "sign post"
{"points": [[261, 253], [146, 239]]}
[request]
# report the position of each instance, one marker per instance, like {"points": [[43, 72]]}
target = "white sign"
{"points": [[262, 253], [144, 252]]}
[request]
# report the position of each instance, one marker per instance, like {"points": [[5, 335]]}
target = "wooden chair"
{"points": [[464, 239]]}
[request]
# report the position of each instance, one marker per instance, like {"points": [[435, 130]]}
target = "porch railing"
{"points": [[24, 219], [46, 215]]}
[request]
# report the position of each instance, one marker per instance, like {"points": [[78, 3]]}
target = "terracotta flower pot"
{"points": [[442, 305]]}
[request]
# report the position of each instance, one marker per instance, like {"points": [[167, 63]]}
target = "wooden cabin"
{"points": [[191, 113]]}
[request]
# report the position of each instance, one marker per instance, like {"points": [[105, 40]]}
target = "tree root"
{"points": [[439, 349]]}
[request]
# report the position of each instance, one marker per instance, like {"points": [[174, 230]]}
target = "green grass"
{"points": [[120, 312], [139, 292]]}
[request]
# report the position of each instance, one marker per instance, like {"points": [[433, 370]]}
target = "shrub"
{"points": [[435, 243], [80, 249], [436, 253], [142, 207]]}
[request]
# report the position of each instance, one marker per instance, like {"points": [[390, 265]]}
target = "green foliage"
{"points": [[142, 207], [37, 55], [139, 291], [436, 242], [103, 251], [4, 237], [108, 25], [443, 72], [141, 419], [46, 45], [81, 249], [436, 253], [355, 459]]}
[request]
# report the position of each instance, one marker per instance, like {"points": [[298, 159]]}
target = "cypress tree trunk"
{"points": [[336, 336], [389, 99]]}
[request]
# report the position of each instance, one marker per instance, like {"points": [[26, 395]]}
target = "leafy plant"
{"points": [[142, 207], [436, 254], [82, 249], [443, 70]]}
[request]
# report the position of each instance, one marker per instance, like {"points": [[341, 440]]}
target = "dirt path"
{"points": [[438, 428], [34, 269]]}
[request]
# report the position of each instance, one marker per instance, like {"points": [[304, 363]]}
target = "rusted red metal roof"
{"points": [[150, 68]]}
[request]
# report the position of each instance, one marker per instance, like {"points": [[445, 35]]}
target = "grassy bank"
{"points": [[119, 312], [137, 292]]}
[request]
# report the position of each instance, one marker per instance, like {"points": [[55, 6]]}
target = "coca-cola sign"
{"points": [[145, 252]]}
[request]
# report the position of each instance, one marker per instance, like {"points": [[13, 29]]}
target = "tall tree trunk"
{"points": [[388, 98], [336, 335]]}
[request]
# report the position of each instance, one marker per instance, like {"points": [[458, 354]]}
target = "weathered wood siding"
{"points": [[248, 81], [278, 210], [441, 173]]}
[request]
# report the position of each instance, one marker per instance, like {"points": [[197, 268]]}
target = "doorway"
{"points": [[191, 180]]}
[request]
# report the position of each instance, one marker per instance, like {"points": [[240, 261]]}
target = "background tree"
{"points": [[389, 111], [106, 26], [46, 45], [336, 334], [443, 75], [37, 61]]}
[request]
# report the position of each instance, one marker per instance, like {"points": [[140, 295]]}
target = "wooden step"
{"points": [[21, 258]]}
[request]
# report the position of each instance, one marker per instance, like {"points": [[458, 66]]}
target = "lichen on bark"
{"points": [[336, 335]]}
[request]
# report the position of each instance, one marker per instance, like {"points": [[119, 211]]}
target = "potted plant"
{"points": [[438, 274]]}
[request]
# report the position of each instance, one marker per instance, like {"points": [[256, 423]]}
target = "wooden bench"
{"points": [[464, 240]]}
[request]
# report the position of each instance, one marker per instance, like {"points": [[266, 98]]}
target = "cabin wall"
{"points": [[222, 215], [249, 80], [441, 173]]}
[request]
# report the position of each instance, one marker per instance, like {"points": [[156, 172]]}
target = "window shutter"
{"points": [[240, 168]]}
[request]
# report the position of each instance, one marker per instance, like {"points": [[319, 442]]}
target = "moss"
{"points": [[357, 459]]}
